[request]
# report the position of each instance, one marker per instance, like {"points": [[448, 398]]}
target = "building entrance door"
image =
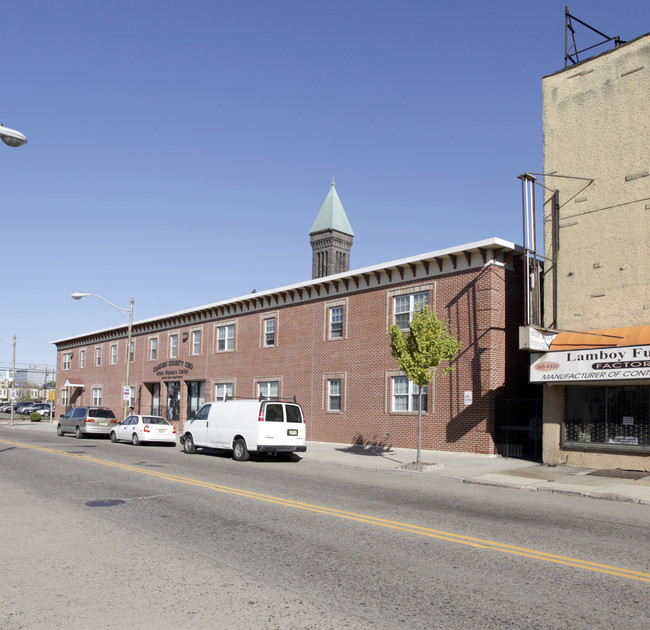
{"points": [[195, 396], [173, 400], [519, 428]]}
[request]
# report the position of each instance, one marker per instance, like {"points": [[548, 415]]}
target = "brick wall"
{"points": [[483, 306]]}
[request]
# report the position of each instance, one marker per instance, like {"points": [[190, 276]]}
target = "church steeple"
{"points": [[331, 238]]}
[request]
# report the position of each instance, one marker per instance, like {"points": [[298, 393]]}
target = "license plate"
{"points": [[103, 424], [162, 431], [292, 432]]}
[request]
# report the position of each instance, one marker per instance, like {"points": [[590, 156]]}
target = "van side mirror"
{"points": [[192, 415]]}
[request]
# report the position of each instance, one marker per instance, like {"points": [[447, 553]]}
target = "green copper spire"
{"points": [[332, 215]]}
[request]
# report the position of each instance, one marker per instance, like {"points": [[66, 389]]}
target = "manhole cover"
{"points": [[105, 503]]}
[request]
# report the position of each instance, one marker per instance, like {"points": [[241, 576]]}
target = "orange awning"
{"points": [[606, 338]]}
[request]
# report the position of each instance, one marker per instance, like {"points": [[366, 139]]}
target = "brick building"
{"points": [[326, 342]]}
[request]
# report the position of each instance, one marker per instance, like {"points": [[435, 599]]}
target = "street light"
{"points": [[11, 137], [78, 296], [13, 374]]}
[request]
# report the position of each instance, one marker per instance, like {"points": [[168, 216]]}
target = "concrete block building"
{"points": [[326, 342], [597, 283]]}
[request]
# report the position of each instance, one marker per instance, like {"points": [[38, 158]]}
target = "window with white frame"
{"points": [[114, 354], [225, 338], [405, 395], [82, 358], [65, 399], [153, 349], [334, 394], [97, 396], [223, 391], [196, 342], [268, 389], [98, 356], [132, 397], [407, 305], [269, 331], [336, 322], [67, 359], [131, 351], [173, 346]]}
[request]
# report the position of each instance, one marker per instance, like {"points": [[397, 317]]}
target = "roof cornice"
{"points": [[414, 268]]}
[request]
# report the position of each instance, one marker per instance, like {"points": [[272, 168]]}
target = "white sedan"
{"points": [[138, 429]]}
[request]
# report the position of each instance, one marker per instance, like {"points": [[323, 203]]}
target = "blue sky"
{"points": [[179, 152]]}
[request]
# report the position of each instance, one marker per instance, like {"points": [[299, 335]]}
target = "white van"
{"points": [[247, 426]]}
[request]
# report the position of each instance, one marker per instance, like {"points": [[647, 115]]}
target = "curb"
{"points": [[574, 493]]}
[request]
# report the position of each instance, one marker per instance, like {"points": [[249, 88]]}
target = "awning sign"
{"points": [[591, 364]]}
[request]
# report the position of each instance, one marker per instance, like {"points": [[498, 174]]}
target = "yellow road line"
{"points": [[362, 518]]}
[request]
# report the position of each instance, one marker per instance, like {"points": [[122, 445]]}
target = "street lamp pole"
{"points": [[78, 296], [12, 138], [13, 374], [128, 358]]}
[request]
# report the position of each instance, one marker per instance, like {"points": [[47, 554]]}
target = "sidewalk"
{"points": [[614, 485]]}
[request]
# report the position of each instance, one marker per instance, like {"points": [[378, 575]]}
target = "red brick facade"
{"points": [[477, 289]]}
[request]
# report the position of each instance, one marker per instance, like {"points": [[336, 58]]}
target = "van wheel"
{"points": [[59, 430], [135, 440], [78, 434], [239, 450], [113, 437], [188, 444]]}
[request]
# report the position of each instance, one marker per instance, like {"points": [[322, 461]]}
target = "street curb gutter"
{"points": [[576, 493]]}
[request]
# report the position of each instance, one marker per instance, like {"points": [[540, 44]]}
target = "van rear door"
{"points": [[282, 426], [296, 434]]}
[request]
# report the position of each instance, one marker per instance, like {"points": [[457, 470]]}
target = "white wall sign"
{"points": [[533, 339], [592, 364]]}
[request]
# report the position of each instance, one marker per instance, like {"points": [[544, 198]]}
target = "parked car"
{"points": [[246, 426], [138, 429], [5, 408], [84, 421], [35, 406], [42, 408], [20, 407]]}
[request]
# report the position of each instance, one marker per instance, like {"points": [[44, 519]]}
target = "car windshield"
{"points": [[101, 413], [154, 420]]}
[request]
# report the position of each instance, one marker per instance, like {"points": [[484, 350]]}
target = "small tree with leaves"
{"points": [[419, 352]]}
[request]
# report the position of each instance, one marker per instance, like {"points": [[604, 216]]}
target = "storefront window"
{"points": [[618, 416]]}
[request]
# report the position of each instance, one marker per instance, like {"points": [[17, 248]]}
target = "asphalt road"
{"points": [[101, 535]]}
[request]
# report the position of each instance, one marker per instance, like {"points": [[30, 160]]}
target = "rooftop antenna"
{"points": [[571, 52]]}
